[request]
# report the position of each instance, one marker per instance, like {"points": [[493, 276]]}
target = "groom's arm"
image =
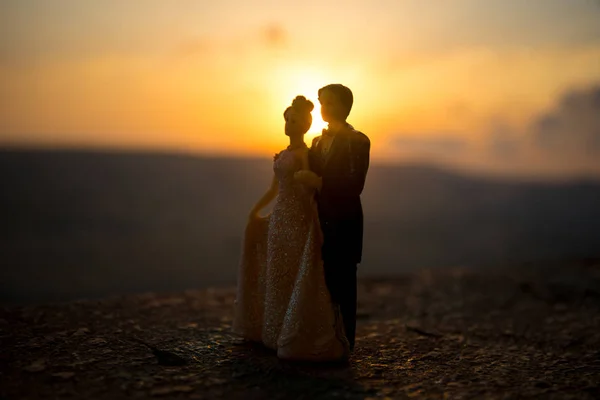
{"points": [[352, 181]]}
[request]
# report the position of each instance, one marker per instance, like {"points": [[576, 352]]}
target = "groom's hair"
{"points": [[343, 93]]}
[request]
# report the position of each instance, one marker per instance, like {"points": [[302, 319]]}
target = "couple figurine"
{"points": [[297, 288]]}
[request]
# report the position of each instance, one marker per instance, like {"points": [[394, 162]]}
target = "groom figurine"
{"points": [[339, 160]]}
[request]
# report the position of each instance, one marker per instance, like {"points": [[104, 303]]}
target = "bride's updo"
{"points": [[302, 107]]}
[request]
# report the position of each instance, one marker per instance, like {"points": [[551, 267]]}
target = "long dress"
{"points": [[282, 299]]}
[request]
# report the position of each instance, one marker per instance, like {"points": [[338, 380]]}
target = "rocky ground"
{"points": [[525, 333]]}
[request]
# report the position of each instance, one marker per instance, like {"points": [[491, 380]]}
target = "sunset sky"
{"points": [[506, 85]]}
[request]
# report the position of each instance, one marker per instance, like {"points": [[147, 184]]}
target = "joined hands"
{"points": [[308, 178]]}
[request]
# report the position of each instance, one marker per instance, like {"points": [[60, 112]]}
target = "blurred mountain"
{"points": [[86, 224]]}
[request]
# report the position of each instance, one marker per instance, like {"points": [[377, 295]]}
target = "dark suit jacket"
{"points": [[343, 170]]}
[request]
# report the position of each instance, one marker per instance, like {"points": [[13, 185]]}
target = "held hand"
{"points": [[308, 178]]}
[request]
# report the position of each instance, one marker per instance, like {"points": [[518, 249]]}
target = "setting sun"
{"points": [[290, 81], [318, 124]]}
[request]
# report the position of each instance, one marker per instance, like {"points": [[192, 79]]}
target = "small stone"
{"points": [[35, 342], [81, 331], [36, 366], [191, 325], [64, 375], [387, 390], [97, 341]]}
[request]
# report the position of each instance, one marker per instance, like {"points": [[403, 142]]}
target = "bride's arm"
{"points": [[266, 198], [306, 176], [305, 164]]}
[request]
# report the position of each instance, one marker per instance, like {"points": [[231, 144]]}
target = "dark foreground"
{"points": [[448, 334]]}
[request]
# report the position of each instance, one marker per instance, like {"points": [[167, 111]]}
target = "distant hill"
{"points": [[84, 223]]}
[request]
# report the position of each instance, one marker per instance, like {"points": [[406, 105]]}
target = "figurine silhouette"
{"points": [[339, 160], [282, 297]]}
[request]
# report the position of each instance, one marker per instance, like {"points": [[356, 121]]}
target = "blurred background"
{"points": [[135, 136]]}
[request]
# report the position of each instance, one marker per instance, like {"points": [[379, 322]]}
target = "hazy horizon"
{"points": [[94, 223], [424, 162]]}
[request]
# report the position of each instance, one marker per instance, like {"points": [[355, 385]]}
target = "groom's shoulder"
{"points": [[359, 137]]}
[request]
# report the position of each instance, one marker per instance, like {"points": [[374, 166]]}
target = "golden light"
{"points": [[318, 124], [290, 81]]}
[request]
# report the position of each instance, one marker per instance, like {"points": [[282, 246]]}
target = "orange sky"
{"points": [[207, 77]]}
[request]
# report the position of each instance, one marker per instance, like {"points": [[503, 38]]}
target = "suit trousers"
{"points": [[340, 277]]}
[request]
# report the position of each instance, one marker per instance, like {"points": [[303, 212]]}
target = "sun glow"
{"points": [[292, 81], [318, 124]]}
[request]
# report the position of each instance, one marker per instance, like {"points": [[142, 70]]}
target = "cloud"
{"points": [[274, 35], [563, 140], [271, 36], [572, 128]]}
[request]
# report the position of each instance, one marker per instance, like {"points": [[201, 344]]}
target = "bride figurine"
{"points": [[282, 299]]}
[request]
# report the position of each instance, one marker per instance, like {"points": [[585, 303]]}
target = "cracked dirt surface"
{"points": [[454, 333]]}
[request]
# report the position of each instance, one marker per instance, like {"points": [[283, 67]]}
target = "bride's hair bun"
{"points": [[302, 104], [302, 108]]}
